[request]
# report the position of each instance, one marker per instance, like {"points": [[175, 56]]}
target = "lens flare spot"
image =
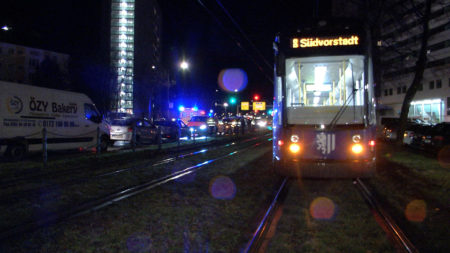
{"points": [[232, 80], [416, 211], [444, 157], [322, 208], [222, 187], [139, 242]]}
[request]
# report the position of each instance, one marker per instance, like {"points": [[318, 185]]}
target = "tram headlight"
{"points": [[357, 148], [294, 148]]}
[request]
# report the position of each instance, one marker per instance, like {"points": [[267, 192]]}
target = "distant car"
{"points": [[198, 125], [169, 128], [212, 123], [121, 131], [437, 137], [232, 125]]}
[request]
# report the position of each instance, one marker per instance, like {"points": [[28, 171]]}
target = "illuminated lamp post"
{"points": [[225, 105]]}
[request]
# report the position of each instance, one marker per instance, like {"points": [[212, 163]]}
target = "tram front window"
{"points": [[318, 87]]}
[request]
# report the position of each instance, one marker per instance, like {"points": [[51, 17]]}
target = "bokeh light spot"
{"points": [[322, 208], [232, 80], [222, 187], [139, 242], [416, 211]]}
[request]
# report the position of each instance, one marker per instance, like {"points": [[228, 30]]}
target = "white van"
{"points": [[70, 119]]}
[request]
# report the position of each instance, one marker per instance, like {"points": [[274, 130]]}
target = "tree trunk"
{"points": [[420, 68]]}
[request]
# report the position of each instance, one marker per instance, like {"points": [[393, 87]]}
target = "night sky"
{"points": [[199, 31]]}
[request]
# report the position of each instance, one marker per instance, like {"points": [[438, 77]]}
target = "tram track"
{"points": [[91, 176], [34, 173], [403, 244], [118, 195], [266, 227]]}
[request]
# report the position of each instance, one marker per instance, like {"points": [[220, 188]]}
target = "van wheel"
{"points": [[16, 151]]}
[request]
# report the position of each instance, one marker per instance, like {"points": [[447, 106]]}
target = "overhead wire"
{"points": [[243, 33], [237, 42]]}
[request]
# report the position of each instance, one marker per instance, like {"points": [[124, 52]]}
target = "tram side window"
{"points": [[325, 81], [279, 100]]}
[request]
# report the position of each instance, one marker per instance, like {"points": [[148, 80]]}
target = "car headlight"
{"points": [[191, 129], [262, 123], [202, 127]]}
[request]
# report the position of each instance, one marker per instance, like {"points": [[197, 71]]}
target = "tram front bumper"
{"points": [[326, 169]]}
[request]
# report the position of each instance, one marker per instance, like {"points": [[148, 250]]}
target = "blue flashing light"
{"points": [[195, 108], [181, 108]]}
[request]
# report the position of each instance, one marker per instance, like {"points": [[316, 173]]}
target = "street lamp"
{"points": [[225, 105], [184, 65]]}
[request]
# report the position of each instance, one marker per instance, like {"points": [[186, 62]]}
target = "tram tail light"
{"points": [[294, 148], [357, 148]]}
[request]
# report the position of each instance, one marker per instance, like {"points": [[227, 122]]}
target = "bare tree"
{"points": [[418, 75]]}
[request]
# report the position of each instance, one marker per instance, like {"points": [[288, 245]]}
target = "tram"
{"points": [[324, 106]]}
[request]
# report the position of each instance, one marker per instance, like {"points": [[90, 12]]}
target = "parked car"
{"points": [[230, 125], [198, 125], [169, 128], [437, 137], [212, 123], [121, 131]]}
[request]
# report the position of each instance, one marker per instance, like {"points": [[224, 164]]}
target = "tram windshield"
{"points": [[318, 87]]}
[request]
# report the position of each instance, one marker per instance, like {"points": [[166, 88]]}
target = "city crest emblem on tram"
{"points": [[326, 143]]}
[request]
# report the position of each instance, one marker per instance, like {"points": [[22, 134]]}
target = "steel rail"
{"points": [[32, 176], [111, 198], [401, 240], [264, 225], [31, 192]]}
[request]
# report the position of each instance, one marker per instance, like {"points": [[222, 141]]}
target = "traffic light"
{"points": [[232, 100], [256, 97]]}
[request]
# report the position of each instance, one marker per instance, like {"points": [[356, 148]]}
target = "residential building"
{"points": [[21, 64]]}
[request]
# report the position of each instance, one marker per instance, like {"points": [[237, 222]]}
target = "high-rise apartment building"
{"points": [[135, 48], [401, 41]]}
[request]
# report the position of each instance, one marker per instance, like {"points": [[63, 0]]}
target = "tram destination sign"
{"points": [[309, 42]]}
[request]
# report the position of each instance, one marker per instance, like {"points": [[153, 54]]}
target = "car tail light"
{"points": [[280, 143], [439, 138], [294, 148], [130, 129], [372, 143], [357, 148]]}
